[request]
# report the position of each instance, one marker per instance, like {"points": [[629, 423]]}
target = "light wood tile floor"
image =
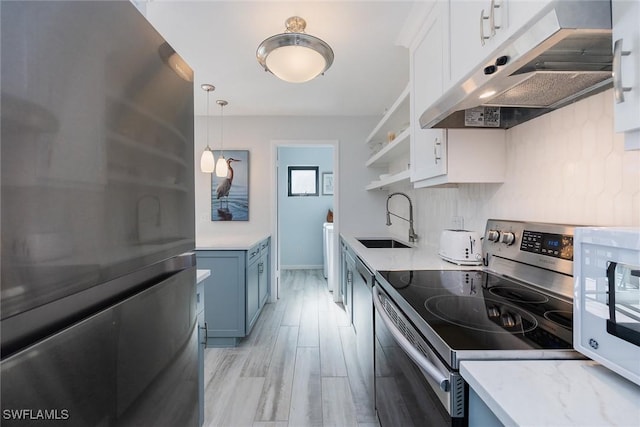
{"points": [[297, 368]]}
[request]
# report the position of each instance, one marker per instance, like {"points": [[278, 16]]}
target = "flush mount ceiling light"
{"points": [[207, 162], [295, 56]]}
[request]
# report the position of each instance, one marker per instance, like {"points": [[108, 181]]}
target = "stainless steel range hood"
{"points": [[562, 56]]}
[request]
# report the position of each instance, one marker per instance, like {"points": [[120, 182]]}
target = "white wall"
{"points": [[567, 166], [360, 211], [301, 218]]}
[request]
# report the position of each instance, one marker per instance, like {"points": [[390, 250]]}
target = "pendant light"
{"points": [[207, 161], [221, 166], [295, 56]]}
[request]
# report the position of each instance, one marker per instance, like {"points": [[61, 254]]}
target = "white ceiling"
{"points": [[219, 39]]}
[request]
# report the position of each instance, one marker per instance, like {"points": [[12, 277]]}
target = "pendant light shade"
{"points": [[207, 162], [295, 56], [221, 166]]}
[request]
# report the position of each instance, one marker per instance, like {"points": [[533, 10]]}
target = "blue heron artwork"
{"points": [[230, 192]]}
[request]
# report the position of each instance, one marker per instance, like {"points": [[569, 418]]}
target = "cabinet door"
{"points": [[224, 292], [429, 155], [350, 268], [263, 278], [253, 294], [477, 30], [265, 271], [429, 75], [430, 61], [626, 34], [343, 271]]}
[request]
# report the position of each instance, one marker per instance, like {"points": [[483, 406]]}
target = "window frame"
{"points": [[291, 176]]}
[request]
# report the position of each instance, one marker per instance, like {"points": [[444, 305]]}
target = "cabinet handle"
{"points": [[349, 276], [435, 151], [492, 21], [482, 36], [618, 88], [260, 267]]}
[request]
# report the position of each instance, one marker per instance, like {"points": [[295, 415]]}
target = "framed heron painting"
{"points": [[230, 186]]}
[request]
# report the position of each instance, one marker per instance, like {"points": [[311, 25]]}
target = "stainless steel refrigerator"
{"points": [[98, 310]]}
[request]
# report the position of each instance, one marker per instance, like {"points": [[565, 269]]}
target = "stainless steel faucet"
{"points": [[412, 234]]}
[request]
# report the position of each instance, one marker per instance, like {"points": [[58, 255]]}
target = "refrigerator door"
{"points": [[27, 327], [134, 363], [96, 149]]}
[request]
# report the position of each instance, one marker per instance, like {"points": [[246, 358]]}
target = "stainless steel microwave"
{"points": [[606, 306]]}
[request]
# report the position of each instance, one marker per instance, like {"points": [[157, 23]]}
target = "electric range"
{"points": [[518, 305], [476, 314]]}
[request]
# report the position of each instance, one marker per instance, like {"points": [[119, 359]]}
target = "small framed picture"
{"points": [[327, 183]]}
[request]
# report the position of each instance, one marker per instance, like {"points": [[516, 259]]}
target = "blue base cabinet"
{"points": [[236, 291]]}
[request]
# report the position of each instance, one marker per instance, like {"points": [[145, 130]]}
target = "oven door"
{"points": [[412, 386]]}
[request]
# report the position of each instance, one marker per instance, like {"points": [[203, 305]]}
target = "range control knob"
{"points": [[493, 235], [508, 238]]}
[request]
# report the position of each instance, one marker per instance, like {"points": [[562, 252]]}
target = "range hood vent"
{"points": [[563, 56], [548, 89]]}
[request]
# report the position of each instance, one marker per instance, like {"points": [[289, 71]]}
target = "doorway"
{"points": [[306, 189]]}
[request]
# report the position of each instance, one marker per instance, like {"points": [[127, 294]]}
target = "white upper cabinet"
{"points": [[429, 154], [440, 156], [467, 156], [429, 61], [430, 74], [626, 70]]}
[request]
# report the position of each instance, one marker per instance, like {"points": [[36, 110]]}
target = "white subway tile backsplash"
{"points": [[567, 166]]}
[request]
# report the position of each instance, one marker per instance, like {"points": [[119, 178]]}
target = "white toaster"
{"points": [[461, 247]]}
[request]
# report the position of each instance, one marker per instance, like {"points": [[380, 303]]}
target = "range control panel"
{"points": [[549, 244], [542, 245]]}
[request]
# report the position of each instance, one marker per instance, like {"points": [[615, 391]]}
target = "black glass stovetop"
{"points": [[477, 310]]}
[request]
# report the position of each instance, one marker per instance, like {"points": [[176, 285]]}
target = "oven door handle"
{"points": [[409, 349]]}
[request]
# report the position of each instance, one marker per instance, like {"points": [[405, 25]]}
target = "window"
{"points": [[303, 180]]}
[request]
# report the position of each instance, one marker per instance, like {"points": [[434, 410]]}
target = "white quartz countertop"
{"points": [[202, 274], [240, 242], [554, 393], [414, 258]]}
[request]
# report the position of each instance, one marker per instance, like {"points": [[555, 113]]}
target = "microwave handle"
{"points": [[611, 280], [412, 352], [613, 328]]}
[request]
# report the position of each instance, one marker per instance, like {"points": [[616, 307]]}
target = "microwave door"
{"points": [[624, 302]]}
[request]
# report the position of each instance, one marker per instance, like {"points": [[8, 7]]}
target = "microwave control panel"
{"points": [[549, 244]]}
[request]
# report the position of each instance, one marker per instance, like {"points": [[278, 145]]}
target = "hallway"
{"points": [[297, 368]]}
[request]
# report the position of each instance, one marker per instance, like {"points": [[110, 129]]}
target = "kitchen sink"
{"points": [[382, 243]]}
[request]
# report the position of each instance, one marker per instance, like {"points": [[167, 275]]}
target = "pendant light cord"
{"points": [[208, 124], [221, 130]]}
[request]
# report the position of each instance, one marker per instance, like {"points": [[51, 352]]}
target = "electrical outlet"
{"points": [[457, 222]]}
